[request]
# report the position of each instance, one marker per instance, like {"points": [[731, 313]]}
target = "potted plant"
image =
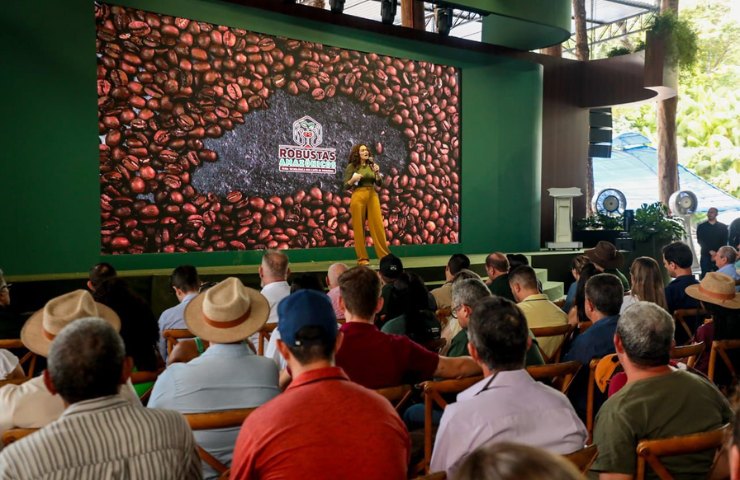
{"points": [[591, 230], [652, 229]]}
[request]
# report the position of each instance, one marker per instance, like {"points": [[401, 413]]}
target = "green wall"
{"points": [[49, 195]]}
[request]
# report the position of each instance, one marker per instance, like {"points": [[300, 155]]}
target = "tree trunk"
{"points": [[666, 129], [579, 17], [412, 14], [554, 51]]}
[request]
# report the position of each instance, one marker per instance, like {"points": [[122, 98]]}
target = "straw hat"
{"points": [[605, 255], [228, 312], [716, 288], [43, 326]]}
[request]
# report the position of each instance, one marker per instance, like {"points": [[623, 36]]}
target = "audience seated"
{"points": [[416, 320], [100, 435], [99, 273], [677, 259], [575, 269], [657, 402], [138, 325], [608, 259], [647, 283], [185, 283], [577, 315], [394, 297], [507, 404], [226, 376], [718, 296], [273, 271], [443, 295], [725, 261], [305, 281], [30, 404], [513, 461], [332, 283], [497, 268], [323, 425], [375, 359], [537, 308], [452, 327], [604, 295], [10, 321]]}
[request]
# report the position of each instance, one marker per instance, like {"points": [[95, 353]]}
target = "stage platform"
{"points": [[29, 293]]}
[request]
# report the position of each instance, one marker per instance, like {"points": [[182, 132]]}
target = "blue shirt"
{"points": [[171, 319], [225, 377], [595, 342]]}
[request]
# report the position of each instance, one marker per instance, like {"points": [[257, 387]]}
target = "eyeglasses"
{"points": [[454, 310]]}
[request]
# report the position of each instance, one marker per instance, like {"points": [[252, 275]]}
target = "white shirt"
{"points": [[511, 406], [8, 362], [274, 292]]}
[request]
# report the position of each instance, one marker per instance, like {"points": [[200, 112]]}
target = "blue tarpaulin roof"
{"points": [[633, 169]]}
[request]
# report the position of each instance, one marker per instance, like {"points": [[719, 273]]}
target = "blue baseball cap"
{"points": [[306, 308]]}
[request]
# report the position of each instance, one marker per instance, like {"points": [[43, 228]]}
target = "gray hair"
{"points": [[646, 331], [465, 273], [728, 253], [276, 262], [468, 291], [86, 360]]}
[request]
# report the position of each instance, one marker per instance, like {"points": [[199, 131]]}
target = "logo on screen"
{"points": [[306, 156]]}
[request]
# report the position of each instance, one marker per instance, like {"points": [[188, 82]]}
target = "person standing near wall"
{"points": [[361, 175], [711, 235]]}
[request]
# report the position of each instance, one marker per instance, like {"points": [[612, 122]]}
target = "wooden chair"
{"points": [[213, 420], [720, 348], [264, 337], [590, 397], [583, 458], [398, 396], [172, 336], [680, 316], [433, 392], [13, 381], [15, 434], [559, 375], [563, 331], [27, 361], [690, 353], [650, 451]]}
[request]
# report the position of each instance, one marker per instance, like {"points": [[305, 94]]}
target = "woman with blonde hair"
{"points": [[647, 284]]}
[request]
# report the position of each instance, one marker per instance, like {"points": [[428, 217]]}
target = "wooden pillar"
{"points": [[666, 129]]}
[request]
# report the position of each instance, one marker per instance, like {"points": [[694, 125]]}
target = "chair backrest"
{"points": [[563, 331], [719, 349], [591, 392], [433, 392], [398, 395], [650, 451], [682, 314], [27, 360], [13, 381], [213, 420], [689, 353], [15, 434], [583, 458], [559, 375], [175, 334], [264, 337]]}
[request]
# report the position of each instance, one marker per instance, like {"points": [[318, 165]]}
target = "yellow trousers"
{"points": [[365, 202]]}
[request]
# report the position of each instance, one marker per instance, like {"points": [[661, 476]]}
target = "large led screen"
{"points": [[216, 138]]}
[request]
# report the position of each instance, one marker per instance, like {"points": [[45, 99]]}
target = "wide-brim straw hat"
{"points": [[228, 312], [43, 326], [716, 288], [605, 255]]}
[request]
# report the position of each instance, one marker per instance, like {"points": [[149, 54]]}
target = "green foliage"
{"points": [[600, 222], [681, 44], [653, 221], [617, 51]]}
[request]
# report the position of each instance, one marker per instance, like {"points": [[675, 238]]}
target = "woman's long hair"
{"points": [[413, 294], [647, 281], [354, 154]]}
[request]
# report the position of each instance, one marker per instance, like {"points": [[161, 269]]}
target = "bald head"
{"points": [[496, 265], [333, 274]]}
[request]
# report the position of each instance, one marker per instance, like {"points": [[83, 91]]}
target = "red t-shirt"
{"points": [[376, 360], [322, 426]]}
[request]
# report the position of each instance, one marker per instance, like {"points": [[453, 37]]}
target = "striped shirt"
{"points": [[106, 438]]}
